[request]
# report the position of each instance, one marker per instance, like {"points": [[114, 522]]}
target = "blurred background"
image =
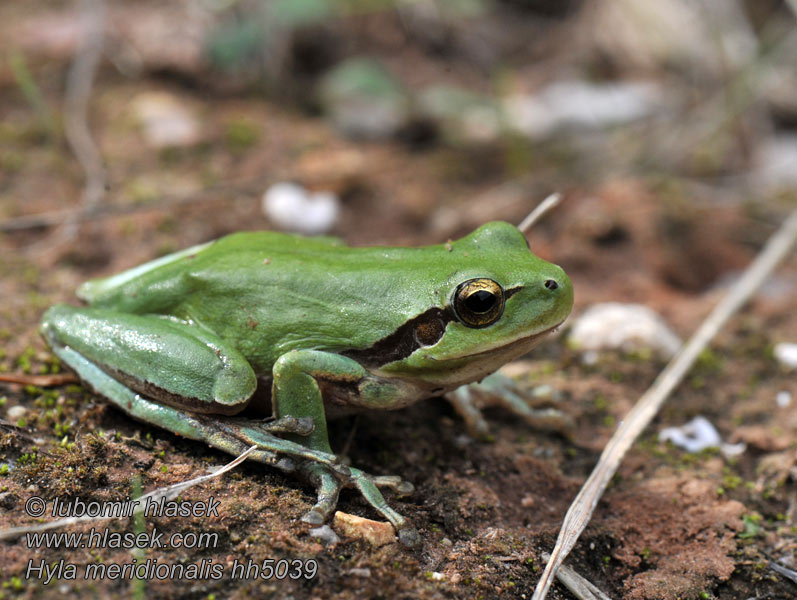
{"points": [[131, 129]]}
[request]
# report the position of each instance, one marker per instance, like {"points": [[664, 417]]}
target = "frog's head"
{"points": [[496, 300]]}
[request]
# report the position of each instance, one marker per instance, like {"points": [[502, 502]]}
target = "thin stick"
{"points": [[38, 380], [141, 503], [535, 215], [79, 82], [166, 202], [579, 513], [580, 587]]}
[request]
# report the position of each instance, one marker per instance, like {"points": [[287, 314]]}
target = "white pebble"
{"points": [[360, 572], [626, 327], [696, 435], [579, 105], [731, 450], [165, 120], [783, 398], [15, 413], [325, 533], [786, 354], [292, 207]]}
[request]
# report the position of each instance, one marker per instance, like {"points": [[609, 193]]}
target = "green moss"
{"points": [[241, 134], [731, 482], [600, 402], [752, 525]]}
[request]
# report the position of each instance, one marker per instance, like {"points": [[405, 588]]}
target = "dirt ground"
{"points": [[671, 237]]}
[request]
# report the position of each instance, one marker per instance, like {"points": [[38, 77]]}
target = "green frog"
{"points": [[183, 342]]}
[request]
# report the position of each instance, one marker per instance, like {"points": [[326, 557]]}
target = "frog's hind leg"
{"points": [[84, 338], [502, 390], [175, 363]]}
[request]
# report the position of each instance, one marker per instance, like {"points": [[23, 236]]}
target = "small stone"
{"points": [[435, 576], [364, 573], [462, 115], [695, 436], [376, 533], [626, 327], [325, 535], [786, 354], [292, 207], [166, 122], [580, 105], [527, 501], [775, 161], [15, 413], [732, 450], [783, 398]]}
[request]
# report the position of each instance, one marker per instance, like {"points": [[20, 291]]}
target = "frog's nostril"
{"points": [[551, 284]]}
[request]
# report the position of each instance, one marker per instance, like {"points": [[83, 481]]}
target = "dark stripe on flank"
{"points": [[424, 330], [152, 391]]}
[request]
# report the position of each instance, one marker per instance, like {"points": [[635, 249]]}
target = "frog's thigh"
{"points": [[175, 363], [296, 391]]}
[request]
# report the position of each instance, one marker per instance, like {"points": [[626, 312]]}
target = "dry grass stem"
{"points": [[535, 215], [578, 586]]}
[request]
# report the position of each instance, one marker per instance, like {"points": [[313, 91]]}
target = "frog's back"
{"points": [[269, 293], [147, 279]]}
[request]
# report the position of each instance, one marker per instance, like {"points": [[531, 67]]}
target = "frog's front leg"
{"points": [[502, 390], [299, 376]]}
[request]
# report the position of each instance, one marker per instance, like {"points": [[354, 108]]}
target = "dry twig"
{"points": [[535, 215], [578, 586], [39, 380], [649, 404], [79, 82]]}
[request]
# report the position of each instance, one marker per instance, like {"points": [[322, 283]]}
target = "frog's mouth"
{"points": [[526, 343]]}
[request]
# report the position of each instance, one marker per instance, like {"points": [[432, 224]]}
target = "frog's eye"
{"points": [[478, 302]]}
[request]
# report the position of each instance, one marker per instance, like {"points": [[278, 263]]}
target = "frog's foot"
{"points": [[330, 479], [499, 389], [321, 468]]}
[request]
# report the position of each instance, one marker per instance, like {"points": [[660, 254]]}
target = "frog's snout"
{"points": [[558, 288]]}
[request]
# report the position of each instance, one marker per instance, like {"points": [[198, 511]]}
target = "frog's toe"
{"points": [[394, 482], [303, 426], [497, 389], [328, 488], [330, 479], [463, 400]]}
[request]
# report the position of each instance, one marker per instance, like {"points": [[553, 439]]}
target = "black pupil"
{"points": [[480, 302]]}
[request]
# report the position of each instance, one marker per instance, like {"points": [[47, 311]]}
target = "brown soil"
{"points": [[672, 525]]}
